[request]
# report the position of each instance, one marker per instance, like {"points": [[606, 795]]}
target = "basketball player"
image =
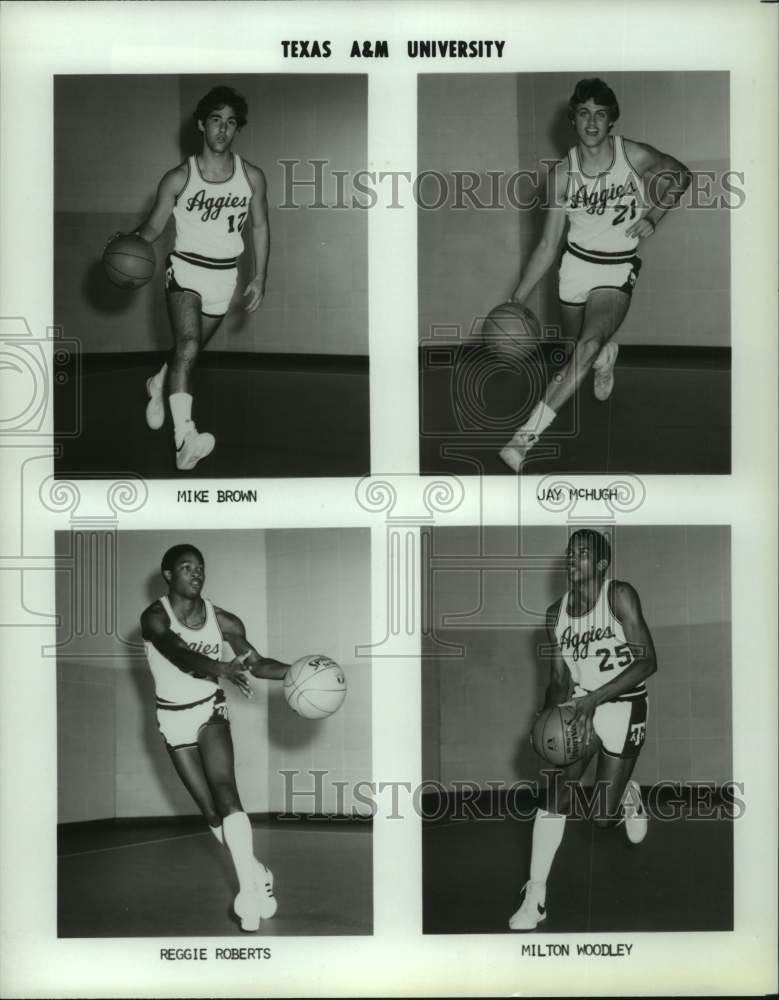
{"points": [[602, 654], [612, 192], [212, 196], [184, 636]]}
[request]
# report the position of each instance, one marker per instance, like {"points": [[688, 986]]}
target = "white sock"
{"points": [[217, 832], [548, 831], [159, 378], [181, 411], [237, 832], [541, 417]]}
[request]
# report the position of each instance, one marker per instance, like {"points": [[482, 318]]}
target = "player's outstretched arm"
{"points": [[260, 666], [545, 252], [665, 180], [171, 185], [260, 234], [155, 628], [560, 684]]}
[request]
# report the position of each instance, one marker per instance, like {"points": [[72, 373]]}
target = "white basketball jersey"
{"points": [[210, 215], [593, 645], [171, 683], [601, 208]]}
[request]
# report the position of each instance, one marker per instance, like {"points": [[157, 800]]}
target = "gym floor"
{"points": [[669, 413], [271, 415], [679, 879], [156, 879]]}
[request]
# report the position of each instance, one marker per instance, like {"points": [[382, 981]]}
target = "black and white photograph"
{"points": [[388, 587], [577, 731], [218, 303], [213, 730], [574, 272]]}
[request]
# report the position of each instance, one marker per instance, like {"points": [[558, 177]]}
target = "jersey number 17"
{"points": [[234, 226]]}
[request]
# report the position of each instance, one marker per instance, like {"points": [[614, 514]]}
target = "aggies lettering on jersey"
{"points": [[593, 645], [172, 685], [210, 215], [601, 208]]}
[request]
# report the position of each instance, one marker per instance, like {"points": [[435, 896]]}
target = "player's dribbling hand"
{"points": [[641, 228], [256, 292]]}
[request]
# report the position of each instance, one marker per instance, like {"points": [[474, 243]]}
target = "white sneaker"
{"points": [[264, 886], [533, 908], [604, 371], [155, 407], [247, 906], [633, 813], [516, 451], [193, 447]]}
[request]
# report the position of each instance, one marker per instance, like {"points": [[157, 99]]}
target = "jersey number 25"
{"points": [[624, 655]]}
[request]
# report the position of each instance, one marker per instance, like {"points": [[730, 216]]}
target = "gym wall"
{"points": [[112, 762], [470, 260], [478, 709], [115, 136], [319, 602]]}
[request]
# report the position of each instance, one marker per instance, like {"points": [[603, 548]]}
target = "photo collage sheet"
{"points": [[388, 440]]}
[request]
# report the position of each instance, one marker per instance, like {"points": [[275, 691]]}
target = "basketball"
{"points": [[129, 261], [512, 332], [315, 687], [555, 738]]}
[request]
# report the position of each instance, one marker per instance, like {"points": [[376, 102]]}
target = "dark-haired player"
{"points": [[212, 197], [612, 192], [184, 636], [602, 653]]}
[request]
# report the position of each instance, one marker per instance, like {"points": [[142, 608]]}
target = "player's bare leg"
{"points": [[623, 796], [155, 385], [548, 829], [190, 331], [604, 312], [255, 899], [603, 365], [189, 767]]}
